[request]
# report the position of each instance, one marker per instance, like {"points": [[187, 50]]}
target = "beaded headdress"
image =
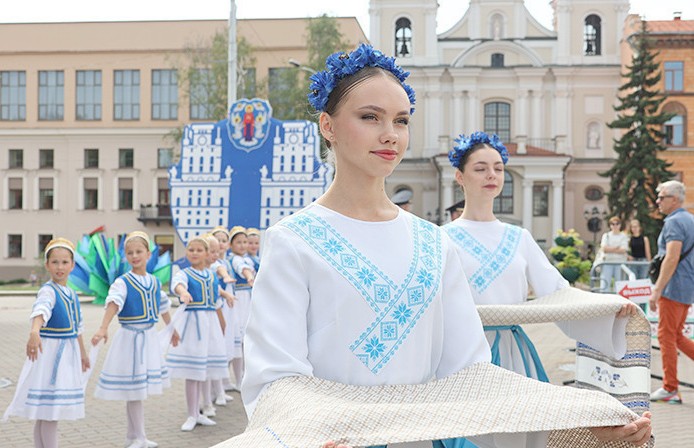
{"points": [[199, 239], [59, 242], [340, 65], [252, 231], [137, 234], [464, 144]]}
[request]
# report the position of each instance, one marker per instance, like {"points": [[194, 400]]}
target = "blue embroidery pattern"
{"points": [[397, 307], [491, 263]]}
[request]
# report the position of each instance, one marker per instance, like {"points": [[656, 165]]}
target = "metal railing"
{"points": [[625, 273]]}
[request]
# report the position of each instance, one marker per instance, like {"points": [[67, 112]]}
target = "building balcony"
{"points": [[156, 213]]}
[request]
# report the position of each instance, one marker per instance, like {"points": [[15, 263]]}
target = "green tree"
{"points": [[288, 87], [638, 171]]}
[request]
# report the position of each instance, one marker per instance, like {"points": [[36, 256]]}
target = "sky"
{"points": [[18, 11]]}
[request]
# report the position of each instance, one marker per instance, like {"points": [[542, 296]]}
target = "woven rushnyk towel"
{"points": [[302, 412], [627, 379]]}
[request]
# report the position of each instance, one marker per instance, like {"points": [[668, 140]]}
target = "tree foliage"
{"points": [[287, 92], [637, 171]]}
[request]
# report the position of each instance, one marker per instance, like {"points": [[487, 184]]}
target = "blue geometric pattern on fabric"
{"points": [[398, 308], [491, 263]]}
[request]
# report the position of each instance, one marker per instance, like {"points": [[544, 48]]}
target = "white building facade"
{"points": [[547, 93]]}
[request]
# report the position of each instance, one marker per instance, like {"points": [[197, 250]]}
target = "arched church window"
{"points": [[591, 35], [675, 128], [497, 60], [403, 38], [497, 120]]}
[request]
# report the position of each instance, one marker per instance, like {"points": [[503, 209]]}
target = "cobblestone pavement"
{"points": [[104, 425]]}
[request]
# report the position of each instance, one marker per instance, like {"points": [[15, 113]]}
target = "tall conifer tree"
{"points": [[637, 170]]}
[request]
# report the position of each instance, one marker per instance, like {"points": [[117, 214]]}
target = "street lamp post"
{"points": [[595, 217], [300, 66]]}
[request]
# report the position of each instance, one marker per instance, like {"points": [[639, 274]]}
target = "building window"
{"points": [[126, 159], [88, 95], [675, 128], [14, 246], [503, 203], [674, 76], [246, 86], [497, 60], [126, 95], [51, 94], [91, 158], [280, 81], [45, 158], [591, 35], [45, 193], [16, 159], [13, 86], [165, 157], [403, 38], [44, 239], [91, 193], [164, 95], [16, 193], [201, 82], [497, 120], [540, 200], [125, 193]]}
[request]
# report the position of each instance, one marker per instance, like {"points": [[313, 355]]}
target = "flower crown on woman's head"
{"points": [[464, 144], [340, 65]]}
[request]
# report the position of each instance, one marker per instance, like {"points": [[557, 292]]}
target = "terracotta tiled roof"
{"points": [[532, 151], [671, 26]]}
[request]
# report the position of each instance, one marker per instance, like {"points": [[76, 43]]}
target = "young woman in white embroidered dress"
{"points": [[134, 367], [501, 260], [51, 385], [354, 289]]}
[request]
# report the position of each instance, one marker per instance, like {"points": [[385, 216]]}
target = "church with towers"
{"points": [[548, 93]]}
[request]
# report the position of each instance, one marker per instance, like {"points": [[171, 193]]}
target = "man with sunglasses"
{"points": [[673, 292]]}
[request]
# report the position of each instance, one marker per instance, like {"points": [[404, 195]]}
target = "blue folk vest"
{"points": [[141, 302], [65, 317], [241, 282], [203, 288]]}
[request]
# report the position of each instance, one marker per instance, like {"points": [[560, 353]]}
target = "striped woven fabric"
{"points": [[299, 412]]}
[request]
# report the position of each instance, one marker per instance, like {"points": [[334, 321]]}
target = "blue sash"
{"points": [[397, 308], [523, 342]]}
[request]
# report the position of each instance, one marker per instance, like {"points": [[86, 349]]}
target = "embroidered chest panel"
{"points": [[397, 307], [491, 262]]}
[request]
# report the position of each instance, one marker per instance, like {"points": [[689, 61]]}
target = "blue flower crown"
{"points": [[464, 144], [340, 65]]}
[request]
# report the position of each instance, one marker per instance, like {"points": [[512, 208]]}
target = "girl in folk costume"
{"points": [[354, 289], [245, 276], [200, 355], [501, 260], [254, 247], [51, 385], [134, 368], [232, 334], [213, 390]]}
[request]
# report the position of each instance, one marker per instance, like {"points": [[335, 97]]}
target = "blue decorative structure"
{"points": [[249, 169]]}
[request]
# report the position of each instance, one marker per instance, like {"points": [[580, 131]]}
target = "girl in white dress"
{"points": [[244, 274], [254, 247], [51, 385], [354, 289], [232, 333], [134, 368], [201, 353]]}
